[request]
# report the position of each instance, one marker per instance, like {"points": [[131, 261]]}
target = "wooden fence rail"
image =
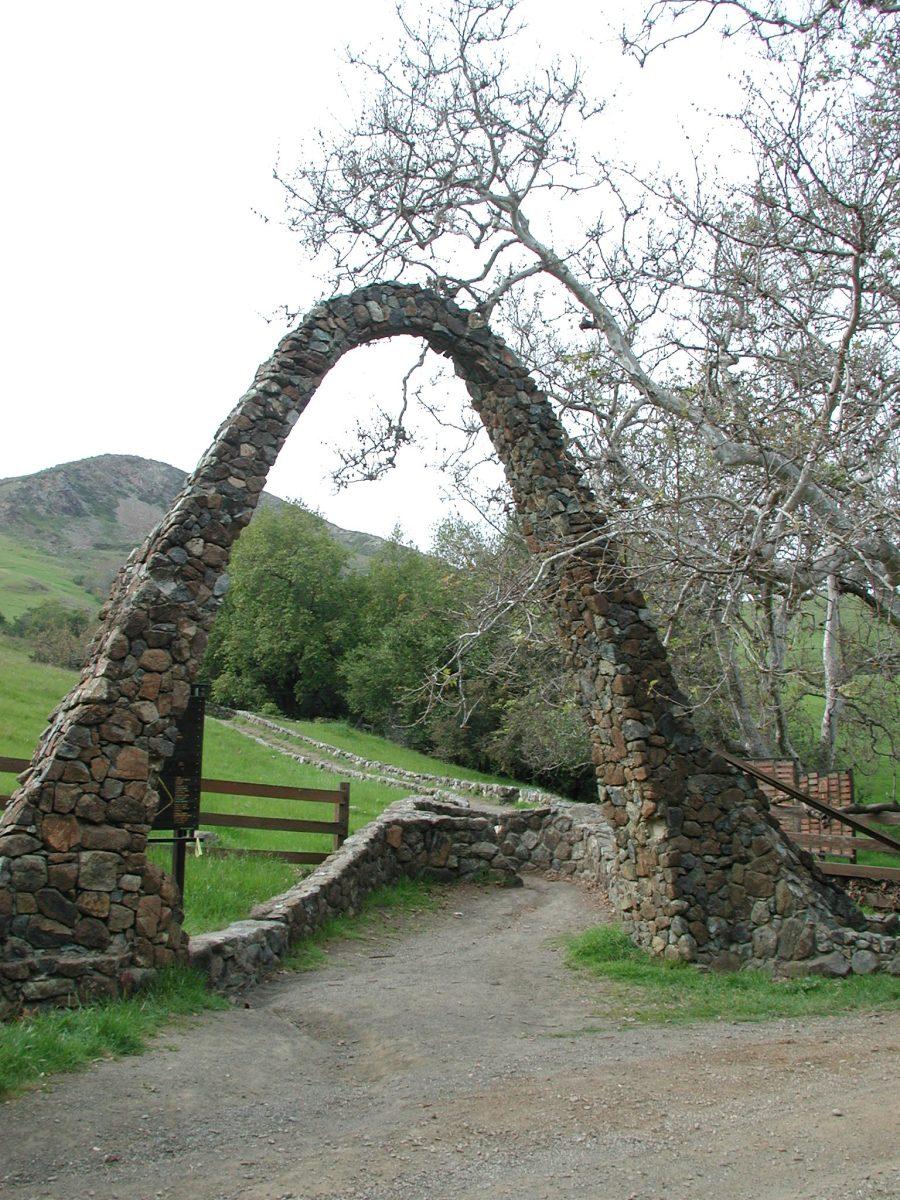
{"points": [[801, 807], [339, 798]]}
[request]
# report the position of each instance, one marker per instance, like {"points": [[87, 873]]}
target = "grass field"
{"points": [[379, 749], [28, 578]]}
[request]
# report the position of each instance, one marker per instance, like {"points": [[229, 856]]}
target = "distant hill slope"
{"points": [[65, 530]]}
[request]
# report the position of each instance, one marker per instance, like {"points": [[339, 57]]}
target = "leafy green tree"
{"points": [[290, 616], [406, 623]]}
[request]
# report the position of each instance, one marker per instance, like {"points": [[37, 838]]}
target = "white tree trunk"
{"points": [[833, 671]]}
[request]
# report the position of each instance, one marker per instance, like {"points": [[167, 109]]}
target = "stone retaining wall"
{"points": [[389, 775], [420, 837], [564, 839], [413, 837]]}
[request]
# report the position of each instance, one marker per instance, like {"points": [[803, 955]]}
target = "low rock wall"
{"points": [[414, 837], [380, 772], [450, 842], [563, 839]]}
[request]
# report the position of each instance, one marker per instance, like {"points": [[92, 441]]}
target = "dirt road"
{"points": [[430, 1065]]}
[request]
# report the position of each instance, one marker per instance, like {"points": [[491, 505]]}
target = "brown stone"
{"points": [[53, 904], [47, 934], [94, 904], [60, 832], [97, 870], [99, 768], [758, 885], [76, 772], [12, 845], [120, 918], [92, 933], [123, 726], [149, 688], [128, 810], [153, 879], [28, 872], [62, 876], [131, 763], [105, 837], [91, 808], [147, 712], [784, 899], [155, 660], [148, 914], [116, 646]]}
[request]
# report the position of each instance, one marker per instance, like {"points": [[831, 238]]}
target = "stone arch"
{"points": [[701, 870]]}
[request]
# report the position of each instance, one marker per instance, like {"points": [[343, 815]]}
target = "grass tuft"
{"points": [[650, 990], [58, 1040]]}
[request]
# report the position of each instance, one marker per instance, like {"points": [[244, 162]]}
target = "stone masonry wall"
{"points": [[700, 871], [413, 837], [453, 842], [385, 773]]}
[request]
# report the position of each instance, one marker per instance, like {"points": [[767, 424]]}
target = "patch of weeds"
{"points": [[406, 896], [57, 1040], [647, 989]]}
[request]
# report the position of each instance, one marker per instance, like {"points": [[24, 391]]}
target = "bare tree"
{"points": [[734, 384], [667, 21]]}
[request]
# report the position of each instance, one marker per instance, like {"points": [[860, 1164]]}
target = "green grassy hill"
{"points": [[344, 736], [67, 530], [28, 577]]}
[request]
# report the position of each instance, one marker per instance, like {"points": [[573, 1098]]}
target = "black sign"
{"points": [[178, 783]]}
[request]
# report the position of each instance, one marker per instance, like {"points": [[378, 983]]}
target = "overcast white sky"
{"points": [[137, 141]]}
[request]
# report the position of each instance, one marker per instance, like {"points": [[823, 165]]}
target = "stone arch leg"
{"points": [[701, 870]]}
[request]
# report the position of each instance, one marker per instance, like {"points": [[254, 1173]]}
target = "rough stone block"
{"points": [[98, 870]]}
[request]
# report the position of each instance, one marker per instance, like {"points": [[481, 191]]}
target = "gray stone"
{"points": [[483, 850], [765, 942], [98, 870], [863, 962], [833, 964], [28, 872]]}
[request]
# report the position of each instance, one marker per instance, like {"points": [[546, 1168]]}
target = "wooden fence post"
{"points": [[342, 815]]}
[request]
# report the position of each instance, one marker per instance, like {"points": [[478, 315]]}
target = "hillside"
{"points": [[65, 530]]}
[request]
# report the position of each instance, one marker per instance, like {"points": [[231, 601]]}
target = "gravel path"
{"points": [[428, 1064]]}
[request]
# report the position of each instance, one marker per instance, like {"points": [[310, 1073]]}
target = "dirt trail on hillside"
{"points": [[448, 1062]]}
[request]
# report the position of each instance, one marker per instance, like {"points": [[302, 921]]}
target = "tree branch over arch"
{"points": [[757, 317]]}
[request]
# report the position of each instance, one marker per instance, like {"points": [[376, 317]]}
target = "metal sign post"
{"points": [[179, 783]]}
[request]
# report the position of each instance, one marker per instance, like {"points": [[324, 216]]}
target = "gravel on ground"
{"points": [[452, 1055]]}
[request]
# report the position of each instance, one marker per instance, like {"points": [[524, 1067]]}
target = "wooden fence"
{"points": [[806, 808], [807, 816], [338, 828]]}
